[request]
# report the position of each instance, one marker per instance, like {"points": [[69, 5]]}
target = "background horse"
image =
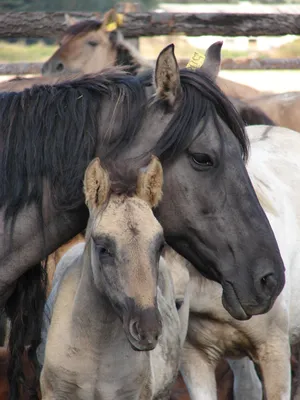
{"points": [[251, 114], [282, 108], [55, 131], [120, 277], [90, 45]]}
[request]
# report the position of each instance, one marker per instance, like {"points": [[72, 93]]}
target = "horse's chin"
{"points": [[232, 304]]}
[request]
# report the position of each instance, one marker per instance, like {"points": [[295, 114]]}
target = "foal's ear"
{"points": [[69, 20], [167, 78], [150, 181], [96, 184], [212, 63]]}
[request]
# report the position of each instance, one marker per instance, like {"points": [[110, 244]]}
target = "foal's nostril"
{"points": [[134, 329], [60, 67]]}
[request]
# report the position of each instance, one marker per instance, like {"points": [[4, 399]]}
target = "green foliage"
{"points": [[19, 52]]}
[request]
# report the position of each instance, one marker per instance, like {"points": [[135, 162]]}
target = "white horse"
{"points": [[274, 168]]}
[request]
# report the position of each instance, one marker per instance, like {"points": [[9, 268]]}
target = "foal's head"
{"points": [[126, 243], [90, 46]]}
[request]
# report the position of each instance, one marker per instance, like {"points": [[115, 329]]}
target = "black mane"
{"points": [[48, 134], [126, 59], [201, 97]]}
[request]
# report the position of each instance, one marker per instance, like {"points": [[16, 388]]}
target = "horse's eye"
{"points": [[202, 160], [93, 43]]}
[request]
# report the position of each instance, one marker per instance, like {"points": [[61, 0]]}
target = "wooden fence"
{"points": [[40, 24], [247, 64], [137, 24]]}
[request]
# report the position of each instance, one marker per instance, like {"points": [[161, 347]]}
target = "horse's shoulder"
{"points": [[66, 275], [67, 262]]}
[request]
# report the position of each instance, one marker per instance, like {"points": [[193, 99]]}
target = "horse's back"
{"points": [[237, 90], [282, 108], [277, 149]]}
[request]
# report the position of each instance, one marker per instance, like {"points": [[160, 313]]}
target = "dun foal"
{"points": [[114, 298]]}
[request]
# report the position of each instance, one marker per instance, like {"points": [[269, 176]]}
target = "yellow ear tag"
{"points": [[196, 61], [112, 26], [120, 19]]}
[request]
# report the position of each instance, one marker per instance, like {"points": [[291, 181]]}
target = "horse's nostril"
{"points": [[178, 304], [268, 282], [59, 67]]}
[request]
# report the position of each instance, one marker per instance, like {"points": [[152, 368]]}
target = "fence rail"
{"points": [[227, 64], [41, 24], [137, 24]]}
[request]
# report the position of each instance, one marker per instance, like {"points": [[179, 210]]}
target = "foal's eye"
{"points": [[93, 43], [103, 251], [202, 160]]}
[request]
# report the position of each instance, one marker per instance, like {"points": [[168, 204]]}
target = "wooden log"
{"points": [[20, 69], [228, 64], [36, 24], [40, 24]]}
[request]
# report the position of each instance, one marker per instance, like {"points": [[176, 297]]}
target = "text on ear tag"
{"points": [[196, 60]]}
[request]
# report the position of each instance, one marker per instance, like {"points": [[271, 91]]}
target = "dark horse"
{"points": [[209, 212]]}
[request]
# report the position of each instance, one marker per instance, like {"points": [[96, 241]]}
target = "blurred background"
{"points": [[38, 50]]}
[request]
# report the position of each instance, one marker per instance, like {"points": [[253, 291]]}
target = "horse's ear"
{"points": [[110, 21], [212, 63], [69, 20], [96, 185], [167, 78], [150, 182]]}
